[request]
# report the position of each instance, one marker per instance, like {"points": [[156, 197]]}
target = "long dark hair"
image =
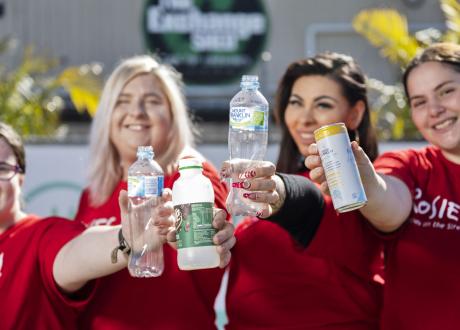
{"points": [[444, 53], [343, 70]]}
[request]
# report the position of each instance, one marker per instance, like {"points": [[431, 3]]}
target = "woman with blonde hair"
{"points": [[143, 104], [107, 160]]}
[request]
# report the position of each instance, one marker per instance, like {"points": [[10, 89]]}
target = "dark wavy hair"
{"points": [[343, 70], [445, 53], [9, 135]]}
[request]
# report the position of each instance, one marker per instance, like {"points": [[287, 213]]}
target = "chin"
{"points": [[135, 144]]}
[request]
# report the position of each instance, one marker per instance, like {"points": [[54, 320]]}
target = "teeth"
{"points": [[136, 127], [305, 135], [444, 124]]}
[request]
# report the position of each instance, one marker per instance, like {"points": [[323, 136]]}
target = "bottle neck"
{"points": [[250, 88], [187, 172], [249, 85]]}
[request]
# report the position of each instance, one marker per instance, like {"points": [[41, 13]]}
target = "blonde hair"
{"points": [[104, 160]]}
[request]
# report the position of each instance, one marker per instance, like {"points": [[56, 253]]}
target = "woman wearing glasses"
{"points": [[46, 265]]}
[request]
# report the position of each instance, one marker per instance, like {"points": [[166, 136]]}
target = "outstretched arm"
{"points": [[302, 210], [389, 201], [88, 256], [291, 201]]}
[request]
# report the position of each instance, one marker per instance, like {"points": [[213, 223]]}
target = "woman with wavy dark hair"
{"points": [[323, 272], [345, 74]]}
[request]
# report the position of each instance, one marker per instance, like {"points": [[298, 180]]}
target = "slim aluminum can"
{"points": [[340, 167]]}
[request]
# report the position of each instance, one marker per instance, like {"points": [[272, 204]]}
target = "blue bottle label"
{"points": [[145, 186]]}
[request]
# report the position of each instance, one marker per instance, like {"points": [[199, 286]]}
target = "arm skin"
{"points": [[389, 201], [88, 256]]}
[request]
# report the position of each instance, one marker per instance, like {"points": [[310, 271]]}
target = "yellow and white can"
{"points": [[340, 167]]}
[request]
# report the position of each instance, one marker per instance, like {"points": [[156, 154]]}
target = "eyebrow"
{"points": [[153, 94], [319, 98], [316, 98], [438, 87]]}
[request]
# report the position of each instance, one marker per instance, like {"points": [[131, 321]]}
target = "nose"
{"points": [[137, 110], [306, 116], [436, 107]]}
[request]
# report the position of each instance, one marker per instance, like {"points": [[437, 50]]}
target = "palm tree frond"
{"points": [[451, 10], [84, 86], [387, 29]]}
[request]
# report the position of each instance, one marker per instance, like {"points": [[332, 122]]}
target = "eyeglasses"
{"points": [[7, 171]]}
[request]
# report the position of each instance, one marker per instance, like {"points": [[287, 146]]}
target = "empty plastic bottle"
{"points": [[247, 139], [145, 186]]}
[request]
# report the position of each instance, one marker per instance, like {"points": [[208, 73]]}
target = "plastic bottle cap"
{"points": [[189, 163], [249, 82], [249, 78], [145, 150]]}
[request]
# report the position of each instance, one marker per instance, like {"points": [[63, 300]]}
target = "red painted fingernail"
{"points": [[249, 174]]}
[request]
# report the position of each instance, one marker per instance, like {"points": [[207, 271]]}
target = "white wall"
{"points": [[56, 173]]}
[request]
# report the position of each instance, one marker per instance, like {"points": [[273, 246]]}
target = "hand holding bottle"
{"points": [[259, 184], [365, 167], [196, 223], [247, 138], [162, 220], [224, 238], [145, 187]]}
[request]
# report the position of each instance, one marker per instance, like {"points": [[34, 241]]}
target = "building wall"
{"points": [[107, 30]]}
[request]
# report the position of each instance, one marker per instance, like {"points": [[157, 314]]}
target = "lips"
{"points": [[136, 127], [306, 137], [444, 124]]}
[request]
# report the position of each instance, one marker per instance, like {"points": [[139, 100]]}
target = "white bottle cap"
{"points": [[190, 163]]}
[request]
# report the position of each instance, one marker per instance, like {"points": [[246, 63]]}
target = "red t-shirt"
{"points": [[422, 288], [276, 284], [175, 300], [29, 296]]}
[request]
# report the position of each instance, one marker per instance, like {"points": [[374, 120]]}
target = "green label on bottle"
{"points": [[194, 225], [249, 118]]}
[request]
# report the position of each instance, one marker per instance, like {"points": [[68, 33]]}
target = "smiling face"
{"points": [[10, 190], [434, 95], [316, 101], [141, 117]]}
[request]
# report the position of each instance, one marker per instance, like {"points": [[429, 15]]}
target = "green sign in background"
{"points": [[208, 41]]}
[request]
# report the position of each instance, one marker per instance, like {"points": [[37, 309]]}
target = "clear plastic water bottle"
{"points": [[145, 186], [193, 199], [247, 139]]}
